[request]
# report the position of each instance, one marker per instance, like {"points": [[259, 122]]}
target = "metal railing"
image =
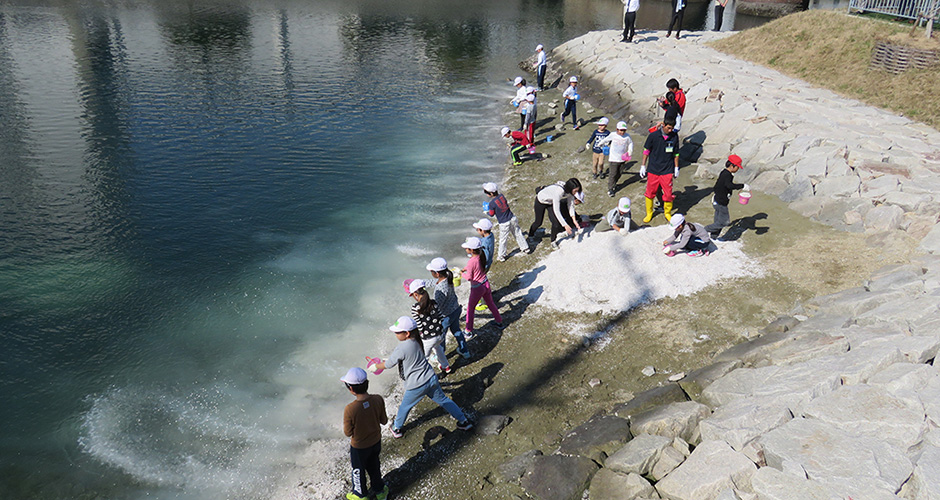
{"points": [[910, 9]]}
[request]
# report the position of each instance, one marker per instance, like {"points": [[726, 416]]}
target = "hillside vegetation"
{"points": [[833, 49]]}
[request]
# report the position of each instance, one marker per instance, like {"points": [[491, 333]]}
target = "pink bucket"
{"points": [[744, 197]]}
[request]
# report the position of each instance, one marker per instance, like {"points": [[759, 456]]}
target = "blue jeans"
{"points": [[452, 322], [571, 108], [431, 389]]}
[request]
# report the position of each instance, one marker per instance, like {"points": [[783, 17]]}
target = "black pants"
{"points": [[677, 21], [540, 77], [719, 14], [557, 226], [366, 460], [629, 25], [616, 167]]}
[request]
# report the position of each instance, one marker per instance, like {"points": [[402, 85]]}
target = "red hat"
{"points": [[735, 160]]}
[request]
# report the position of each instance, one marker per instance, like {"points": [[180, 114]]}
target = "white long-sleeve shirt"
{"points": [[552, 195], [619, 144], [631, 5], [541, 60]]}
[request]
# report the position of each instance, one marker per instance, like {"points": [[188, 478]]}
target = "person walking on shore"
{"points": [[475, 273], [723, 188], [541, 65], [598, 151], [571, 97], [688, 236], [719, 13], [559, 200], [418, 375], [428, 317], [678, 10], [621, 150], [661, 152], [507, 222], [362, 423], [629, 19], [519, 100], [446, 298]]}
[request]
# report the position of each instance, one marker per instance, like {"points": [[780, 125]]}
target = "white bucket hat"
{"points": [[472, 243]]}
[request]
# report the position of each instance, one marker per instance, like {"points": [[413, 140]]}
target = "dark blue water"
{"points": [[206, 211]]}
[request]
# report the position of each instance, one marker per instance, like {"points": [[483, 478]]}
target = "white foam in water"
{"points": [[609, 272]]}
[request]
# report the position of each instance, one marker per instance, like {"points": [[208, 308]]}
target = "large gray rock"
{"points": [[884, 218], [739, 422], [857, 365], [608, 484], [908, 278], [871, 411], [799, 383], [669, 459], [596, 438], [800, 187], [842, 186], [829, 454], [712, 468], [925, 482], [772, 182], [902, 311], [753, 351], [903, 378], [558, 477], [657, 396], [852, 301], [513, 469], [639, 455], [805, 348], [772, 484], [697, 380], [675, 420], [930, 395], [931, 242]]}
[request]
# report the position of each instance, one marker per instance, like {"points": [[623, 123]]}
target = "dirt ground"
{"points": [[537, 371]]}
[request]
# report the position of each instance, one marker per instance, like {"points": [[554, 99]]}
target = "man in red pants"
{"points": [[661, 152]]}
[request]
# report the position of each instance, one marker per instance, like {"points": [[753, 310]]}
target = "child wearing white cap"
{"points": [[571, 97], [688, 236], [518, 101], [621, 150], [362, 422], [541, 64], [419, 377], [447, 303], [475, 273], [428, 318], [508, 223], [531, 116], [485, 231], [597, 161], [618, 219]]}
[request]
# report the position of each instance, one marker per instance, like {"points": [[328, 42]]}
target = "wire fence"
{"points": [[910, 9]]}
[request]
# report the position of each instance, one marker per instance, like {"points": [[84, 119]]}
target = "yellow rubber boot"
{"points": [[667, 210], [649, 210]]}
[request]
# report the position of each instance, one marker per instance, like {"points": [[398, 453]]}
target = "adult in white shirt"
{"points": [[559, 201], [621, 149], [541, 64], [678, 10], [629, 19]]}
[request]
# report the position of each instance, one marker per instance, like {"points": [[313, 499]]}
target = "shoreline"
{"points": [[542, 376]]}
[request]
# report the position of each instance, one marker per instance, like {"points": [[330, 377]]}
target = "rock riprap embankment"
{"points": [[841, 397]]}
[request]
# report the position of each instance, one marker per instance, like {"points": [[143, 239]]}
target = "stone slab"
{"points": [[639, 455], [596, 438], [674, 420], [712, 468], [558, 477], [608, 484], [739, 422], [657, 396]]}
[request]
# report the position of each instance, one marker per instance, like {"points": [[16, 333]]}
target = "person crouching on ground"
{"points": [[688, 236], [618, 218], [508, 223], [518, 144], [475, 273], [362, 422], [559, 200], [661, 152], [418, 375], [446, 298], [621, 150], [429, 320], [723, 188], [597, 157]]}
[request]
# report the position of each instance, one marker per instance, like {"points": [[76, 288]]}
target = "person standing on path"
{"points": [[723, 187], [429, 319], [362, 423], [571, 97], [508, 223], [719, 13], [531, 116], [559, 200], [661, 152], [541, 65], [629, 19], [418, 375], [475, 273], [447, 303], [678, 10], [621, 150], [598, 151], [519, 101]]}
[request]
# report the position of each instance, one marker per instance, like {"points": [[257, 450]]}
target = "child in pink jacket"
{"points": [[475, 273]]}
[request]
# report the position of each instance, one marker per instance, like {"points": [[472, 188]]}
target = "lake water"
{"points": [[206, 212]]}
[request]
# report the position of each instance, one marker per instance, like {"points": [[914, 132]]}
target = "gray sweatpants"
{"points": [[722, 219]]}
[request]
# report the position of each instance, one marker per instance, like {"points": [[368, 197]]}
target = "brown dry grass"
{"points": [[832, 50]]}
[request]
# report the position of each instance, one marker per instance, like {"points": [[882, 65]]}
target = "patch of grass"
{"points": [[833, 49]]}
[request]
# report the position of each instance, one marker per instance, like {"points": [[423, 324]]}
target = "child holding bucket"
{"points": [[418, 375], [723, 187], [475, 273], [447, 303]]}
